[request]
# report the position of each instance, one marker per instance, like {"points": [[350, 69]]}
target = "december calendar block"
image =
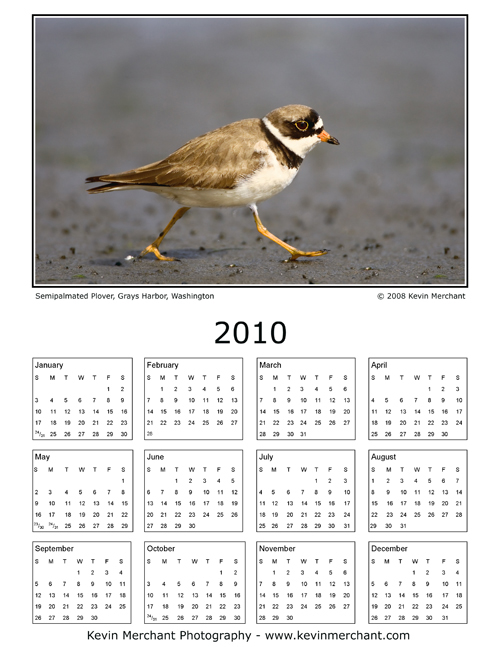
{"points": [[194, 582], [193, 398], [306, 398], [82, 398], [81, 582], [306, 491]]}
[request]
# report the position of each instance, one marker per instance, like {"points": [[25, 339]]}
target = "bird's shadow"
{"points": [[179, 254]]}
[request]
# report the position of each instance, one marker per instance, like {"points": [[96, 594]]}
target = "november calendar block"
{"points": [[418, 582], [306, 398], [306, 491], [418, 398], [82, 398], [193, 398], [194, 582], [193, 490], [81, 582]]}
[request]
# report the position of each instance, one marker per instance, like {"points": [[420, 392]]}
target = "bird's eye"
{"points": [[302, 125]]}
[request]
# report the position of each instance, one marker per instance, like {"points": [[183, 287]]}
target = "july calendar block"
{"points": [[81, 582], [418, 582], [306, 398], [305, 582], [306, 491], [194, 582], [193, 490], [418, 398], [418, 490], [193, 398], [82, 398], [82, 491]]}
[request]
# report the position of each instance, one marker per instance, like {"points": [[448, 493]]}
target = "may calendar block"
{"points": [[306, 491], [418, 582], [306, 398], [418, 398], [305, 582], [82, 491], [418, 490], [193, 398], [81, 582], [193, 490], [194, 582], [82, 398]]}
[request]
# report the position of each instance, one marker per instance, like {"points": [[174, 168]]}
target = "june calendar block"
{"points": [[193, 398], [418, 398], [418, 490], [306, 398], [82, 491], [194, 582], [306, 491], [82, 398], [193, 490], [81, 582], [418, 582]]}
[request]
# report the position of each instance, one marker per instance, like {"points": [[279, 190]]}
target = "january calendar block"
{"points": [[418, 582], [193, 398], [81, 582], [306, 491], [82, 491], [418, 490], [82, 398], [306, 582], [194, 582], [418, 398], [306, 398], [193, 490]]}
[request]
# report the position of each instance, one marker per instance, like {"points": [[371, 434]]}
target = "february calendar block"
{"points": [[194, 582], [418, 491], [193, 398], [418, 398], [81, 582], [82, 398], [306, 398], [193, 490], [306, 491], [305, 582], [418, 582]]}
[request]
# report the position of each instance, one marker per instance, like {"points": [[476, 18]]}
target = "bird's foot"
{"points": [[296, 253], [154, 249]]}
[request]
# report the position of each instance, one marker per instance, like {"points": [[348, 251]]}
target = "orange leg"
{"points": [[154, 246]]}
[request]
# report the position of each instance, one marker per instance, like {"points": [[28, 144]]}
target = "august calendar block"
{"points": [[306, 491], [418, 582], [195, 399], [82, 398], [306, 398]]}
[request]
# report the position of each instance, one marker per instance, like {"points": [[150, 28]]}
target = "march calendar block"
{"points": [[305, 582], [306, 398], [418, 490], [418, 398], [418, 582], [82, 398], [306, 491], [193, 490], [194, 582], [193, 398], [81, 582]]}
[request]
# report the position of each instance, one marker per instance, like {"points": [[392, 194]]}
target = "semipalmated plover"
{"points": [[240, 164]]}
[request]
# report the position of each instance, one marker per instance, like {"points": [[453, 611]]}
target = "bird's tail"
{"points": [[112, 186]]}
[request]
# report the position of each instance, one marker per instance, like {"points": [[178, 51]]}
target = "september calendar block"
{"points": [[306, 491], [418, 491], [193, 399], [81, 582], [194, 582], [418, 582], [82, 398], [306, 398], [193, 490], [418, 398]]}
